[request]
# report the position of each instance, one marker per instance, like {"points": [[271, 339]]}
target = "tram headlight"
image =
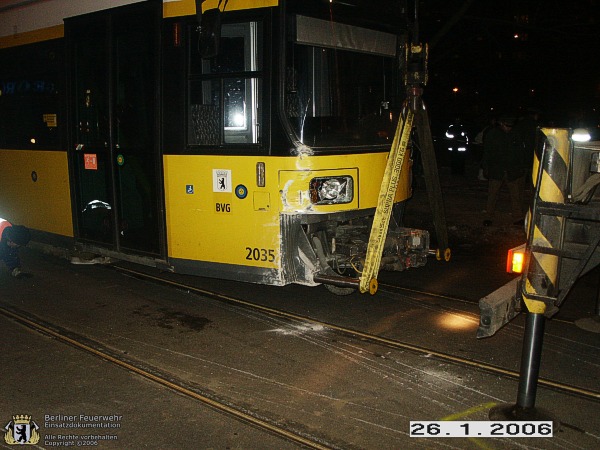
{"points": [[331, 190]]}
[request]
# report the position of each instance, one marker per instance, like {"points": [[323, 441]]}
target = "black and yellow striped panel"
{"points": [[552, 160]]}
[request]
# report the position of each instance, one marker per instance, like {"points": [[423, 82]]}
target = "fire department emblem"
{"points": [[21, 430]]}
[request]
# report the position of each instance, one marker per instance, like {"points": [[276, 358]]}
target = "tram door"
{"points": [[113, 132]]}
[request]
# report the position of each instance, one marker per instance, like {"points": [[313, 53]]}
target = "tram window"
{"points": [[30, 85], [341, 90], [224, 92]]}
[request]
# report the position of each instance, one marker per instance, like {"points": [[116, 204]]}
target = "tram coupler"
{"points": [[499, 308]]}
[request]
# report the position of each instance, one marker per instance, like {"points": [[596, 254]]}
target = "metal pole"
{"points": [[530, 360], [528, 379]]}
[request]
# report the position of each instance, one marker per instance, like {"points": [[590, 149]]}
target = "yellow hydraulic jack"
{"points": [[563, 233], [413, 110]]}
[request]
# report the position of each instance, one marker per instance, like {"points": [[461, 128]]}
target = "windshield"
{"points": [[341, 86]]}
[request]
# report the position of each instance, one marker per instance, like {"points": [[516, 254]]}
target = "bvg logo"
{"points": [[21, 430], [223, 207]]}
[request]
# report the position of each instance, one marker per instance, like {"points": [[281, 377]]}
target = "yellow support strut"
{"points": [[385, 202], [551, 173]]}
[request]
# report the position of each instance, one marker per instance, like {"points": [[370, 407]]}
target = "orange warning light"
{"points": [[515, 262]]}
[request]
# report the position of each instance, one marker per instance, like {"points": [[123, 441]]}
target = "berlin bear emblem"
{"points": [[21, 430]]}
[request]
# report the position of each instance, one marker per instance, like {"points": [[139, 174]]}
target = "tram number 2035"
{"points": [[260, 254]]}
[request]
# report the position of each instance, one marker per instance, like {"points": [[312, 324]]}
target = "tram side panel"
{"points": [[220, 223], [35, 190], [34, 169]]}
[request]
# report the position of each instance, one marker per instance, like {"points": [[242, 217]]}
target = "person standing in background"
{"points": [[526, 128], [503, 160]]}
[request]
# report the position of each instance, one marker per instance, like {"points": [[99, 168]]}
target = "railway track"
{"points": [[163, 378], [229, 407], [365, 336], [416, 294]]}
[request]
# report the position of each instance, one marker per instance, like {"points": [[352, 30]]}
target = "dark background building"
{"points": [[494, 57]]}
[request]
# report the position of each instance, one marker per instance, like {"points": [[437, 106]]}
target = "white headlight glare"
{"points": [[581, 135]]}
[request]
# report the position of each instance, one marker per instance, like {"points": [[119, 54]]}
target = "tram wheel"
{"points": [[341, 291], [337, 290]]}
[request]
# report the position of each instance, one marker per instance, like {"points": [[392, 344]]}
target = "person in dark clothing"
{"points": [[503, 159], [11, 238], [479, 144], [526, 127]]}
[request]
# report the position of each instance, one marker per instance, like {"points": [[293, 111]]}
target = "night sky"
{"points": [[510, 56]]}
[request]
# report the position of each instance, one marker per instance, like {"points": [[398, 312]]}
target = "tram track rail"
{"points": [[411, 292], [365, 336], [228, 407], [162, 378]]}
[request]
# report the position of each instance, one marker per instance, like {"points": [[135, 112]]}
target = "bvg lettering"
{"points": [[223, 207]]}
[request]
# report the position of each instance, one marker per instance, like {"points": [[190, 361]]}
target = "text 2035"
{"points": [[260, 254]]}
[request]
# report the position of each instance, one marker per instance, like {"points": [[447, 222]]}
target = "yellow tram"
{"points": [[238, 139]]}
